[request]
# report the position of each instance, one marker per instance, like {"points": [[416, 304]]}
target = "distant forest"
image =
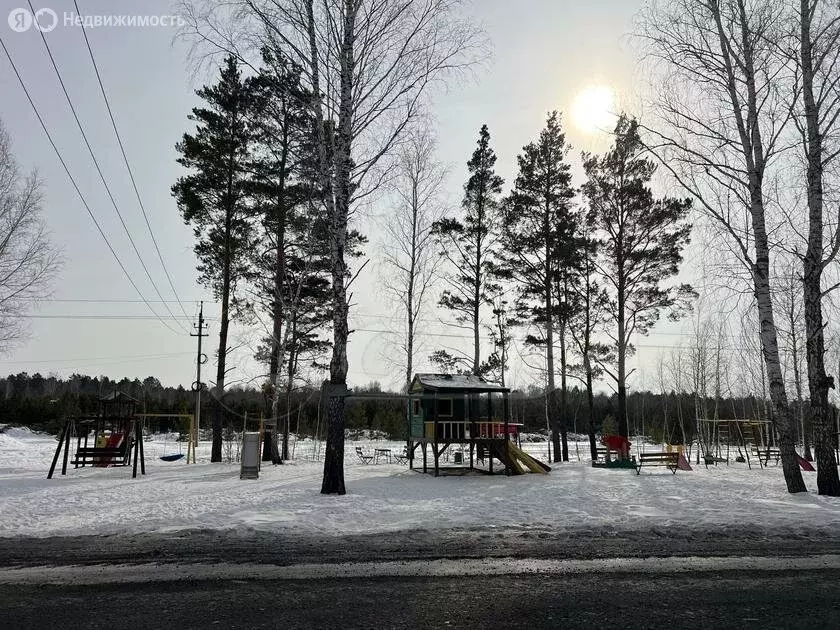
{"points": [[41, 402]]}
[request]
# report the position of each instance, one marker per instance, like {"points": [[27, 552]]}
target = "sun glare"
{"points": [[593, 109]]}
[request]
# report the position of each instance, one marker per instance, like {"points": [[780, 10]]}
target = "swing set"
{"points": [[108, 439], [114, 437]]}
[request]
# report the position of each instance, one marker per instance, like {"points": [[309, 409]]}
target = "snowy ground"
{"points": [[389, 497]]}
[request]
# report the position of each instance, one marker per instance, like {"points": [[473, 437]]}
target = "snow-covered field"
{"points": [[389, 497]]}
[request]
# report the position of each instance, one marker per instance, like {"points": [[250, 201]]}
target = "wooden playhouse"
{"points": [[469, 413]]}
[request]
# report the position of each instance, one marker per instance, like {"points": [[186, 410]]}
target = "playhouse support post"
{"points": [[58, 449], [66, 447], [78, 446], [506, 413], [408, 427], [437, 433], [425, 466], [492, 429], [136, 450], [142, 452]]}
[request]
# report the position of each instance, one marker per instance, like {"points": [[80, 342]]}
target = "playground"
{"points": [[388, 497]]}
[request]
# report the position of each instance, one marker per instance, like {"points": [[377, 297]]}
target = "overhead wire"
{"points": [[114, 358], [127, 164], [101, 174], [75, 185]]}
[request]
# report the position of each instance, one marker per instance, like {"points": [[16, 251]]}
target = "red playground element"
{"points": [[682, 463], [617, 443], [114, 441], [804, 464]]}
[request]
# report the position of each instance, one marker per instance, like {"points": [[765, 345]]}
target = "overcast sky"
{"points": [[545, 53]]}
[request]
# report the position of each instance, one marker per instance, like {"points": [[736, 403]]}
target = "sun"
{"points": [[594, 110]]}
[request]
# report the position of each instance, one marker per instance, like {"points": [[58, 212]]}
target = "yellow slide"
{"points": [[519, 462]]}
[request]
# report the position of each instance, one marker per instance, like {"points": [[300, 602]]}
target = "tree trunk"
{"points": [[221, 363], [621, 373], [800, 403], [770, 349], [409, 300], [290, 383], [828, 480], [333, 481], [552, 387], [476, 314], [590, 403], [564, 395]]}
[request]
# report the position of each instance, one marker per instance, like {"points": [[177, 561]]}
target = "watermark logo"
{"points": [[21, 20], [45, 20]]}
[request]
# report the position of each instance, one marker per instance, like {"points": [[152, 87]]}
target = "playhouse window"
{"points": [[444, 407], [415, 407]]}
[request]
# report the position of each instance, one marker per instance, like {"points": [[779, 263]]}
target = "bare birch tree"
{"points": [[819, 126], [721, 117], [28, 261], [410, 253], [369, 65]]}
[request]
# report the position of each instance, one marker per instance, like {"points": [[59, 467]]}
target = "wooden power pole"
{"points": [[199, 361]]}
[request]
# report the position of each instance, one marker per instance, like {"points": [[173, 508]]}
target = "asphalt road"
{"points": [[793, 599], [254, 580]]}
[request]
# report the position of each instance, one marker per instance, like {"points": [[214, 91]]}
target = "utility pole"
{"points": [[199, 361]]}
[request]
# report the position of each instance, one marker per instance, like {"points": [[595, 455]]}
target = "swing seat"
{"points": [[172, 458]]}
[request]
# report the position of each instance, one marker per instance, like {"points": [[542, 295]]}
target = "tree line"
{"points": [[42, 403]]}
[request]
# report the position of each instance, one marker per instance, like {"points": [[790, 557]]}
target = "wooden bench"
{"points": [[364, 458], [766, 453], [603, 450], [669, 460], [102, 454]]}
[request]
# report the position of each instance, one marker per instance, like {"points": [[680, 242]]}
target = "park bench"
{"points": [[363, 457], [766, 453], [669, 460]]}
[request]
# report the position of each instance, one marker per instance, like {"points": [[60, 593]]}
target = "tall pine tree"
{"points": [[289, 266], [214, 199], [470, 249], [641, 242], [537, 245]]}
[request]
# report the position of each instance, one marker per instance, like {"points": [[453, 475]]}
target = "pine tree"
{"points": [[470, 249], [641, 242], [214, 199], [538, 245], [588, 319], [289, 269]]}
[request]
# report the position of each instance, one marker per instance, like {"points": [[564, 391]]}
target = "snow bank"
{"points": [[388, 497]]}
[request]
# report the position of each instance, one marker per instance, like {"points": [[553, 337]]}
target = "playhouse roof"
{"points": [[455, 381], [117, 396]]}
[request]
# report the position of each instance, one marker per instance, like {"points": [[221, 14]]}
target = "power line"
{"points": [[649, 346], [103, 301], [161, 318], [99, 169], [75, 185], [122, 358], [127, 165]]}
